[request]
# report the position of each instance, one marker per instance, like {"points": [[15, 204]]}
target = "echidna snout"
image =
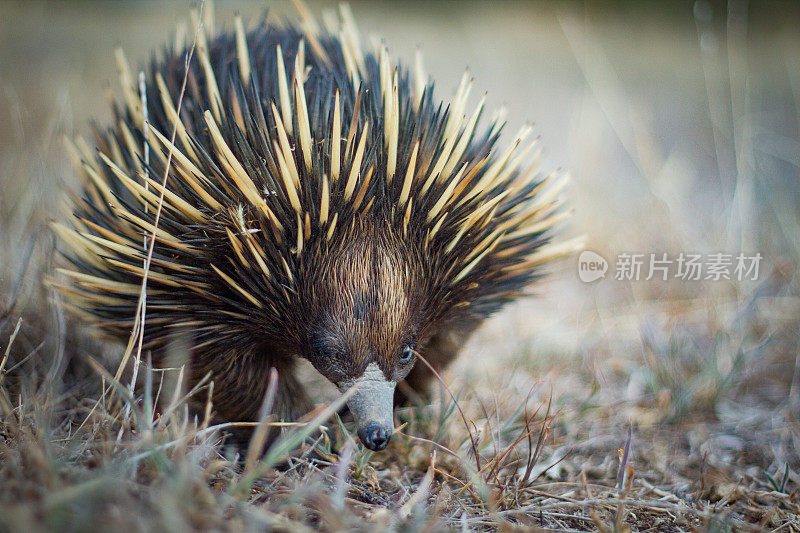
{"points": [[371, 406]]}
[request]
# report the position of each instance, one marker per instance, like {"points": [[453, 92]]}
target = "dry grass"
{"points": [[649, 406], [71, 464]]}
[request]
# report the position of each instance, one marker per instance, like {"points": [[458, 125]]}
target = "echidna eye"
{"points": [[407, 354]]}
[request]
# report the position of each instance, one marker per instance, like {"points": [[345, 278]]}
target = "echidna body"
{"points": [[320, 203]]}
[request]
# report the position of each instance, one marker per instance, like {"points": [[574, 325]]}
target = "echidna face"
{"points": [[364, 326]]}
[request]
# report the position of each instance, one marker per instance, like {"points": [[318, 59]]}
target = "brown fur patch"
{"points": [[364, 303]]}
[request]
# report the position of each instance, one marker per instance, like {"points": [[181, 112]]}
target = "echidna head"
{"points": [[363, 326]]}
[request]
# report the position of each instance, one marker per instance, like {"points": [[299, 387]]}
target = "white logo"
{"points": [[591, 266]]}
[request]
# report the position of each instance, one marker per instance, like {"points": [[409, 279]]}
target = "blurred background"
{"points": [[678, 121]]}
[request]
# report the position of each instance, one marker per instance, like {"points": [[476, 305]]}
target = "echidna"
{"points": [[320, 203]]}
